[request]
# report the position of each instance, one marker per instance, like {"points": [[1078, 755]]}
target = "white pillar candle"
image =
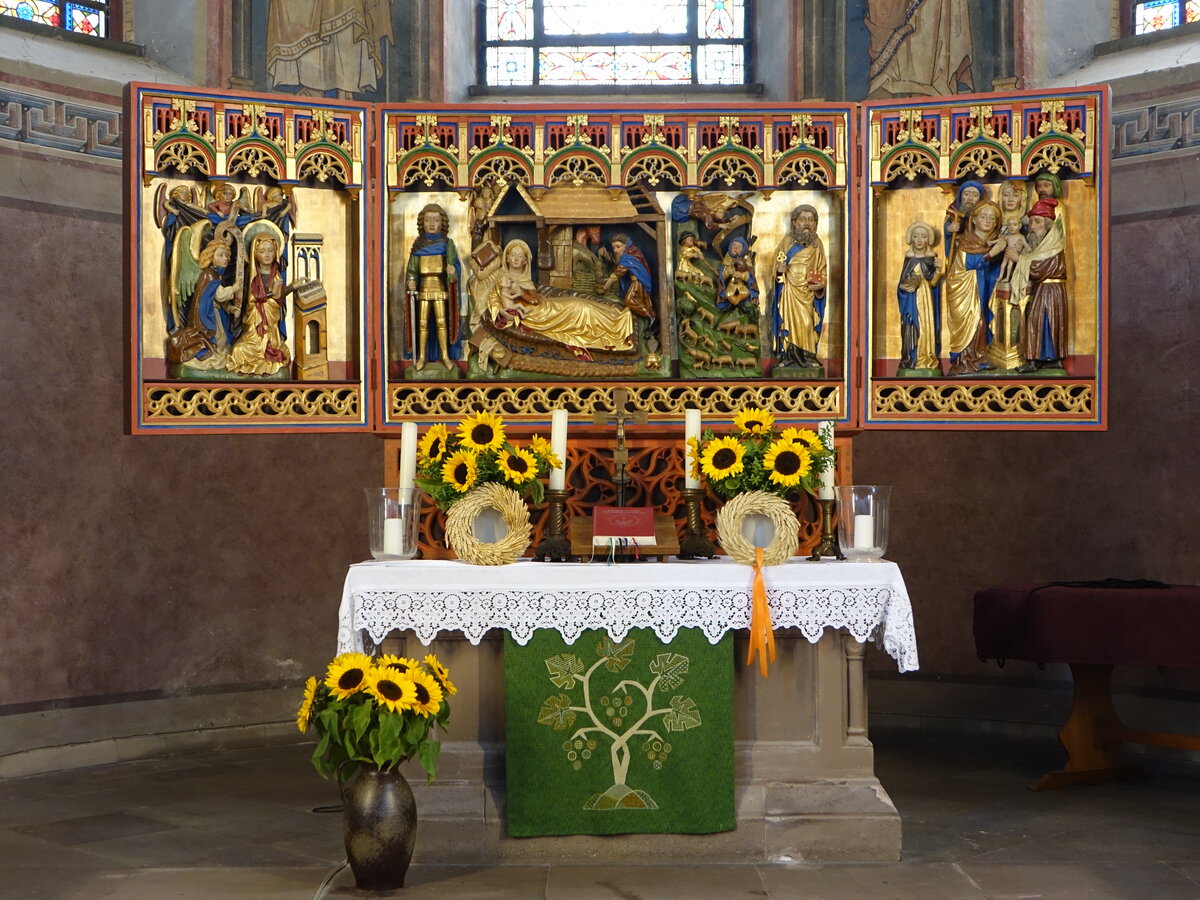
{"points": [[558, 443], [825, 489], [408, 458], [691, 431], [864, 532], [393, 537]]}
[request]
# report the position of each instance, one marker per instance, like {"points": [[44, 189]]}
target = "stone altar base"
{"points": [[805, 785]]}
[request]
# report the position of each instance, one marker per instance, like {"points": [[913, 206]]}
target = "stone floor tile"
{"points": [[613, 882], [93, 829], [458, 882], [1122, 840], [1083, 880], [919, 881], [186, 848], [21, 851], [217, 884], [37, 809], [54, 883]]}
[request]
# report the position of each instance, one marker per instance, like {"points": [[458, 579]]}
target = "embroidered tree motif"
{"points": [[619, 717]]}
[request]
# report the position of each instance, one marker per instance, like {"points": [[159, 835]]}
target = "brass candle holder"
{"points": [[694, 544], [829, 542], [555, 546]]}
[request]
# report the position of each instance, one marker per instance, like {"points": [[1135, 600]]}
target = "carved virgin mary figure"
{"points": [[579, 323]]}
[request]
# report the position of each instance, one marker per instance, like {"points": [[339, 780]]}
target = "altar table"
{"points": [[869, 600], [805, 780]]}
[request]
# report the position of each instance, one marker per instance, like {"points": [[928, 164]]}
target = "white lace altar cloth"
{"points": [[869, 600]]}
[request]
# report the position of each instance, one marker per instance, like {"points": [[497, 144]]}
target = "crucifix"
{"points": [[620, 415]]}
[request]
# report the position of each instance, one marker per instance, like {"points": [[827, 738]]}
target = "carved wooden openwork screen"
{"points": [[340, 266]]}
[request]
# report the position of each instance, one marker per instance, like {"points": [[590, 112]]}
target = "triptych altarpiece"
{"points": [[304, 264]]}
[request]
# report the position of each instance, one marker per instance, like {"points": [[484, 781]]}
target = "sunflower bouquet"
{"points": [[376, 712], [450, 463], [757, 457]]}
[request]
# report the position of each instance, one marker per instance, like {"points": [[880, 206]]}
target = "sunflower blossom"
{"points": [[442, 674], [787, 462], [429, 694], [482, 431], [461, 470], [694, 456], [305, 711], [544, 450], [722, 458], [517, 465], [401, 663], [392, 689], [432, 445], [805, 436], [754, 421], [347, 674]]}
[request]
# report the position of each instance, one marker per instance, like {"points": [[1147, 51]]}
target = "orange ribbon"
{"points": [[762, 632]]}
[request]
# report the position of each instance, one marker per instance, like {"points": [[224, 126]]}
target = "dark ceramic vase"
{"points": [[380, 826]]}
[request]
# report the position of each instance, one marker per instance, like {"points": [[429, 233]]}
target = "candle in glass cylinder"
{"points": [[864, 532], [825, 489], [558, 444], [393, 537], [691, 431]]}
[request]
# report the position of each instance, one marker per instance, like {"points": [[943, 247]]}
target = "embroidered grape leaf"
{"points": [[682, 715], [557, 713], [618, 655], [670, 669], [563, 669]]}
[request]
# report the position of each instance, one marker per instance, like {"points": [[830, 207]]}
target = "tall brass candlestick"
{"points": [[829, 542], [555, 546], [694, 544]]}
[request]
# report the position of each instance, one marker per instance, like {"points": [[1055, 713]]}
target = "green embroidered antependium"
{"points": [[634, 736]]}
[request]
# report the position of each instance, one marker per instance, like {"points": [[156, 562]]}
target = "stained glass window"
{"points": [[1159, 15], [91, 18], [588, 17], [598, 42]]}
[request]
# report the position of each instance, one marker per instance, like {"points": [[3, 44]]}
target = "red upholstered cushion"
{"points": [[1121, 626]]}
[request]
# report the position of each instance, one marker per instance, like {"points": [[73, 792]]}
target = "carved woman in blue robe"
{"points": [[919, 294], [971, 275]]}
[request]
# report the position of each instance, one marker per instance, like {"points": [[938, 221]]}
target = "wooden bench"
{"points": [[1092, 629]]}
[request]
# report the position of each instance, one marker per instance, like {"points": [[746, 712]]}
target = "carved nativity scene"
{"points": [[609, 245]]}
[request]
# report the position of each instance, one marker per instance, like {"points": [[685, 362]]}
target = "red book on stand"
{"points": [[629, 523]]}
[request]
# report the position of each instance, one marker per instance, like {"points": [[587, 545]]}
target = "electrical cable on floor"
{"points": [[329, 880], [337, 807]]}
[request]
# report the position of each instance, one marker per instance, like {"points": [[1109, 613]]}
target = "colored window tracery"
{"points": [[1161, 15], [80, 18], [530, 43]]}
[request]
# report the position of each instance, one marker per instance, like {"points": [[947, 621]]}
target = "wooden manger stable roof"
{"points": [[570, 204]]}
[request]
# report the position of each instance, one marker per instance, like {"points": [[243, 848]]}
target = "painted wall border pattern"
{"points": [[91, 130]]}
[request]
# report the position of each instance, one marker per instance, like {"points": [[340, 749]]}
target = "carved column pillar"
{"points": [[856, 691]]}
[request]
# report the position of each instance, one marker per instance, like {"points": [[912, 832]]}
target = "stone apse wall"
{"points": [[200, 569]]}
